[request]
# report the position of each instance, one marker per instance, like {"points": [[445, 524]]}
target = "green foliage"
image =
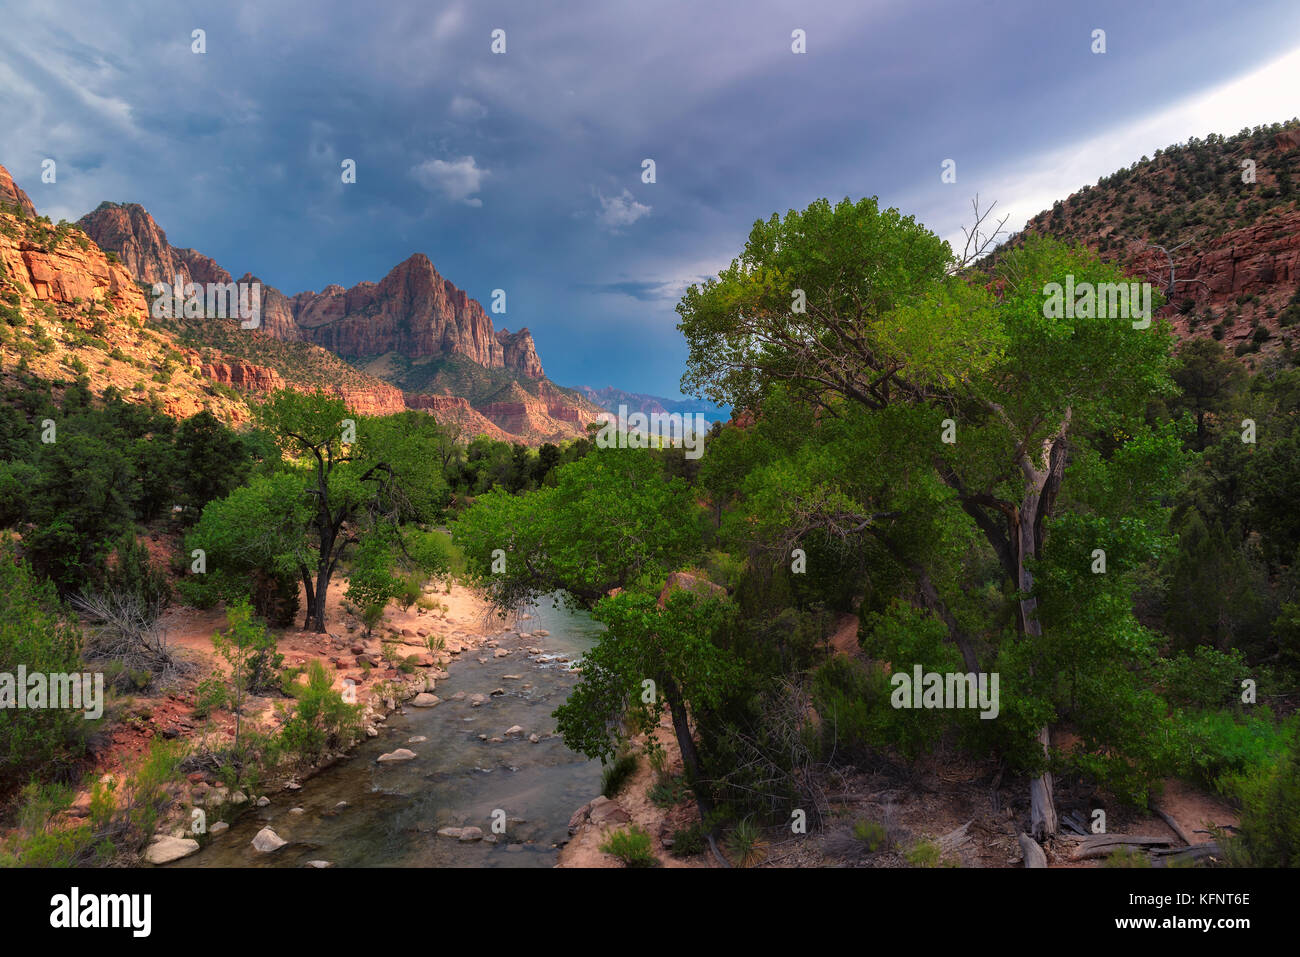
{"points": [[617, 773], [631, 845], [1213, 748], [249, 650], [1269, 834], [680, 648], [745, 843], [372, 584], [38, 633], [321, 719], [1205, 678], [688, 841], [611, 520], [872, 834]]}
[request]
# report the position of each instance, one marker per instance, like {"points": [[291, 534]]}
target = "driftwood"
{"points": [[1033, 854], [1100, 845], [1196, 852], [1173, 825]]}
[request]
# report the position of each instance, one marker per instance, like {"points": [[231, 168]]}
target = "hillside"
{"points": [[1235, 245]]}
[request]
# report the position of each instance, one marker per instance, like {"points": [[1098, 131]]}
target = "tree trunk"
{"points": [[1040, 489]]}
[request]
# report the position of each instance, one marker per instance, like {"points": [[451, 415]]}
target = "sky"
{"points": [[523, 170]]}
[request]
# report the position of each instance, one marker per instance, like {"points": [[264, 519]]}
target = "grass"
{"points": [[616, 775]]}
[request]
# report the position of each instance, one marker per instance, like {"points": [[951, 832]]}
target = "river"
{"points": [[360, 813]]}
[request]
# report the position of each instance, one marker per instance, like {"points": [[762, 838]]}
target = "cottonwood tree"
{"points": [[348, 495], [888, 321]]}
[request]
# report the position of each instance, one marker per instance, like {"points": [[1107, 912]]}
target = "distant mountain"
{"points": [[413, 329], [610, 398], [1228, 210]]}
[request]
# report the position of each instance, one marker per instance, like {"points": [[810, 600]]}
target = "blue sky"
{"points": [[522, 170]]}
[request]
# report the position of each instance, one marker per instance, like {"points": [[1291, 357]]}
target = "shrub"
{"points": [[322, 720], [924, 853], [688, 841], [616, 774], [872, 834], [1269, 833], [1207, 678], [37, 632], [631, 846], [745, 843]]}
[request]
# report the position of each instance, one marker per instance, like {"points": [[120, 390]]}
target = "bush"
{"points": [[872, 834], [36, 632], [616, 775], [1269, 833], [745, 843], [322, 720], [631, 846], [1207, 678], [1211, 747], [688, 841]]}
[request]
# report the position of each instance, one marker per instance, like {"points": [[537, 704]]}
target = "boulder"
{"points": [[266, 841], [164, 850], [401, 754], [425, 700]]}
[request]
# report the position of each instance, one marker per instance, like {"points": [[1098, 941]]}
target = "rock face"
{"points": [[129, 231], [1262, 259], [11, 195], [520, 353], [416, 313], [413, 313], [68, 273]]}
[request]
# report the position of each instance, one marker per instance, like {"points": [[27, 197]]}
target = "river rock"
{"points": [[477, 700], [164, 849], [605, 811], [541, 633], [296, 810], [267, 841], [471, 834], [514, 729], [417, 739], [319, 864], [401, 754], [218, 827], [534, 738], [511, 677], [450, 832], [425, 700], [498, 692], [501, 653], [263, 801]]}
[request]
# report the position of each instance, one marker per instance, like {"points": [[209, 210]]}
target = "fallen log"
{"points": [[1033, 853], [1196, 852], [1100, 845], [1173, 825]]}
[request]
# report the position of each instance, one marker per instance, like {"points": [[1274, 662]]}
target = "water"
{"points": [[393, 811]]}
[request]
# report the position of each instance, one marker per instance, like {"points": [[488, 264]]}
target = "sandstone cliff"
{"points": [[12, 196]]}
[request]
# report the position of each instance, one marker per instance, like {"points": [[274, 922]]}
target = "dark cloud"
{"points": [[523, 171]]}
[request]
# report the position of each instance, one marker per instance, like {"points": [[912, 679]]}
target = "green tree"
{"points": [[849, 304]]}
